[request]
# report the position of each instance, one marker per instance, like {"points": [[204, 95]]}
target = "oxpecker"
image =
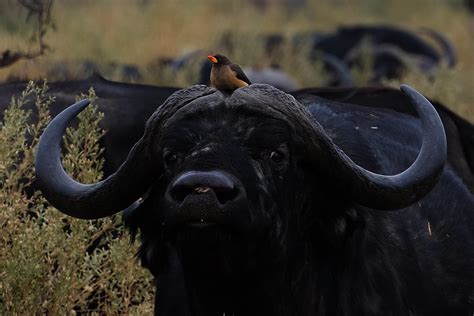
{"points": [[225, 75]]}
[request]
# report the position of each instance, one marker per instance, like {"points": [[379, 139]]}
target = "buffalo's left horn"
{"points": [[387, 192], [89, 201]]}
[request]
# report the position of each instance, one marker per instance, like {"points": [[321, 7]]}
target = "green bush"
{"points": [[51, 263]]}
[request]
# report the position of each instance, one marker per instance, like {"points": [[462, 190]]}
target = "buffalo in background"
{"points": [[390, 48], [259, 204], [392, 51]]}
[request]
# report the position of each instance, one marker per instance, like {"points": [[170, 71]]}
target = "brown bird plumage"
{"points": [[225, 75]]}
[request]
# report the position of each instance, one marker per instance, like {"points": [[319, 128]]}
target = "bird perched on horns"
{"points": [[225, 75]]}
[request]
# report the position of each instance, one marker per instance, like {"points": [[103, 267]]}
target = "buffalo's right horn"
{"points": [[388, 192], [89, 201]]}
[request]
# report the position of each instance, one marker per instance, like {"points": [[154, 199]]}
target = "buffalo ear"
{"points": [[133, 216]]}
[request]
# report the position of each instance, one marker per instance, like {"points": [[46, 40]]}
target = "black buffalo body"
{"points": [[257, 204]]}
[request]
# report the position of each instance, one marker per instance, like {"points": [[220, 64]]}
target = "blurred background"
{"points": [[53, 264], [166, 42]]}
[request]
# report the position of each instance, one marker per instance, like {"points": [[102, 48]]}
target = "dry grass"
{"points": [[139, 32]]}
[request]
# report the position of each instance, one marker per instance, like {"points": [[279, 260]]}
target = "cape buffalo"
{"points": [[246, 206]]}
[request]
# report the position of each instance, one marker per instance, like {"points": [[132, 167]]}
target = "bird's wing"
{"points": [[239, 73]]}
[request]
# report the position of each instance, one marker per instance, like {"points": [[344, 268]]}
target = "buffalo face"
{"points": [[227, 179]]}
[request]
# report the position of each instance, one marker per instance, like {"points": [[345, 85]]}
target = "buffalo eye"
{"points": [[277, 156], [170, 158]]}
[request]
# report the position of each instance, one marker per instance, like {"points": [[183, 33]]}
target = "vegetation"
{"points": [[40, 11], [51, 263]]}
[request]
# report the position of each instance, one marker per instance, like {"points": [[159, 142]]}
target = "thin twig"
{"points": [[41, 9]]}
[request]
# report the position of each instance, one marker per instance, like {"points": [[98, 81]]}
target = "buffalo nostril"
{"points": [[226, 195]]}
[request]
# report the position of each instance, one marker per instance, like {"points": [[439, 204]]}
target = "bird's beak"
{"points": [[212, 59]]}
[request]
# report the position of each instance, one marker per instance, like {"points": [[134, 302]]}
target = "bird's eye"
{"points": [[170, 158], [277, 156]]}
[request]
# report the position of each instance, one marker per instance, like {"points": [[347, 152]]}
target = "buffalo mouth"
{"points": [[209, 231], [201, 209]]}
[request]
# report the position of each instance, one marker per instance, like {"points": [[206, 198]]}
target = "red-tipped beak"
{"points": [[212, 59]]}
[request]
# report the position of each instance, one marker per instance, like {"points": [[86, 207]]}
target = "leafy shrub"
{"points": [[51, 263]]}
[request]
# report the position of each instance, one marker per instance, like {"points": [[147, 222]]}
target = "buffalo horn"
{"points": [[403, 189], [89, 201]]}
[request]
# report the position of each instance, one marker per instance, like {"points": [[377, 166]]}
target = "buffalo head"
{"points": [[223, 189]]}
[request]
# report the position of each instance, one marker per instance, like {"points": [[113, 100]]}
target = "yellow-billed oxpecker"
{"points": [[225, 75]]}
